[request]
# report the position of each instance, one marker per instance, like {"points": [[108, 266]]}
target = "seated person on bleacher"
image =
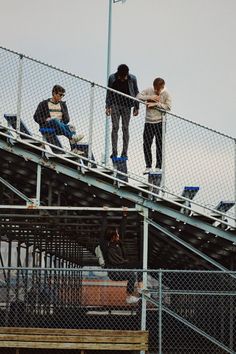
{"points": [[53, 114], [115, 258]]}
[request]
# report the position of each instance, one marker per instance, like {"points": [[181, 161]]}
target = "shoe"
{"points": [[147, 170], [77, 151], [132, 299], [76, 138]]}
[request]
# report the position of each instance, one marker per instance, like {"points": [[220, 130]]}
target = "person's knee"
{"points": [[115, 128], [125, 130]]}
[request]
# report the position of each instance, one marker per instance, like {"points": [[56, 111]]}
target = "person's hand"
{"points": [[135, 112], [108, 111], [48, 119], [151, 104], [154, 98]]}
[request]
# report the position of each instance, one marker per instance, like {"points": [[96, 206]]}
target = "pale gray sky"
{"points": [[190, 43]]}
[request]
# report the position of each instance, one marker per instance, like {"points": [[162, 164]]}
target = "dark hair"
{"points": [[123, 70], [158, 81], [57, 89], [110, 232]]}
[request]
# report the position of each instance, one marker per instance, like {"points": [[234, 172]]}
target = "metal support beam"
{"points": [[134, 197], [145, 266], [19, 92], [16, 191], [186, 245], [38, 185], [160, 312], [193, 327]]}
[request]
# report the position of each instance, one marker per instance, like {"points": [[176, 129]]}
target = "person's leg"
{"points": [[68, 131], [158, 137], [125, 116], [148, 135], [115, 119], [60, 128], [131, 277]]}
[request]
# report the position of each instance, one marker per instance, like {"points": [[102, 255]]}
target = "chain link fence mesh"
{"points": [[184, 311], [192, 155]]}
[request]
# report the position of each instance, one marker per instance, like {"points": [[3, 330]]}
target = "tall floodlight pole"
{"points": [[107, 121]]}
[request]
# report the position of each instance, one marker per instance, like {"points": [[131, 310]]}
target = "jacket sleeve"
{"points": [[136, 91], [41, 113], [144, 95], [166, 105], [65, 113]]}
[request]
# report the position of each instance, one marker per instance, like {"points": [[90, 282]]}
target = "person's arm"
{"points": [[42, 113], [144, 95], [65, 113], [166, 104], [136, 91], [114, 258]]}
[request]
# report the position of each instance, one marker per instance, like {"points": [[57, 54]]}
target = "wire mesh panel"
{"points": [[198, 316], [192, 155], [183, 311], [200, 157]]}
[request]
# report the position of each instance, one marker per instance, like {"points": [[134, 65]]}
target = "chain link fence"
{"points": [[184, 311], [192, 154]]}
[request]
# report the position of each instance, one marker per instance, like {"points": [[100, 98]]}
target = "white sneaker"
{"points": [[132, 299], [157, 170], [77, 151], [76, 138], [147, 170]]}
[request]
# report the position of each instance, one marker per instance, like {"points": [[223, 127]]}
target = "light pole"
{"points": [[107, 121]]}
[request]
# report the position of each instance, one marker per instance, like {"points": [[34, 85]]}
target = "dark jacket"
{"points": [[133, 90], [42, 113], [116, 257]]}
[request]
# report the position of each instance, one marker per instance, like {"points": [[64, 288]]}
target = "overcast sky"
{"points": [[190, 43]]}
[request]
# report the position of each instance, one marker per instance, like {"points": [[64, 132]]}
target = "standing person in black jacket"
{"points": [[116, 258], [53, 113], [120, 106]]}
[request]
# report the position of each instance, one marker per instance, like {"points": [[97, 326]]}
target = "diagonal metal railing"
{"points": [[193, 155]]}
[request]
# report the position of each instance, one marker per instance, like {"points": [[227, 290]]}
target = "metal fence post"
{"points": [[19, 92], [163, 167], [160, 312], [91, 113], [235, 180], [145, 265], [107, 120], [38, 185]]}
